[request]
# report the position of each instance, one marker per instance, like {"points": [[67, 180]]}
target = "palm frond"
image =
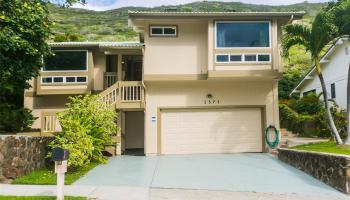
{"points": [[295, 34]]}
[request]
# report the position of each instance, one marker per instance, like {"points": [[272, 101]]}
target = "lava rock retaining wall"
{"points": [[331, 169], [20, 155]]}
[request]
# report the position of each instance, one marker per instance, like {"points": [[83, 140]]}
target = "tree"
{"points": [[24, 31], [341, 11], [315, 39]]}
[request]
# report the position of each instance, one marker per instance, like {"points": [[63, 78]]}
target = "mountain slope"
{"points": [[111, 25]]}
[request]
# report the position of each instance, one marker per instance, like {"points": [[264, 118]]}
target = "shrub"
{"points": [[309, 104], [87, 125], [14, 119], [307, 117]]}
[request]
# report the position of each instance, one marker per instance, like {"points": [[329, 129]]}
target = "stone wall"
{"points": [[331, 169], [21, 154]]}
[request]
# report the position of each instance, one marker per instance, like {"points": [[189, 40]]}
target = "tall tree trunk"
{"points": [[347, 142], [331, 123]]}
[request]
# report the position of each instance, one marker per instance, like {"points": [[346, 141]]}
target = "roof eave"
{"points": [[136, 14]]}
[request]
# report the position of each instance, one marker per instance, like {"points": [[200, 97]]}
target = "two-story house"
{"points": [[201, 82]]}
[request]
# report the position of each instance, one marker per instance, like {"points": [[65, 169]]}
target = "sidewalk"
{"points": [[138, 193]]}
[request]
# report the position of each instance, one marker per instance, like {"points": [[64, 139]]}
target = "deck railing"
{"points": [[49, 122], [110, 78]]}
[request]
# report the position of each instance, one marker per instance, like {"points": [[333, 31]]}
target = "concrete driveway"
{"points": [[258, 173]]}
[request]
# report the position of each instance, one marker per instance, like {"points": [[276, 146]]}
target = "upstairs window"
{"points": [[242, 34], [163, 31], [333, 96], [66, 61]]}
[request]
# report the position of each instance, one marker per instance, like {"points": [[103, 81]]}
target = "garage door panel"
{"points": [[211, 131]]}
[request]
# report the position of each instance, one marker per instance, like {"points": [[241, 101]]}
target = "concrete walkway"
{"points": [[217, 172], [135, 193]]}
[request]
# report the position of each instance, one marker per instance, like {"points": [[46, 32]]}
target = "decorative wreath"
{"points": [[271, 144]]}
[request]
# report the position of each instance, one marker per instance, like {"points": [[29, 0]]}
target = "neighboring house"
{"points": [[202, 82], [335, 66]]}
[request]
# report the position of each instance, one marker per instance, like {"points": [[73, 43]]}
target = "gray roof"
{"points": [[214, 14], [97, 44]]}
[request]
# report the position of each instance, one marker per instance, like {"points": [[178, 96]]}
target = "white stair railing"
{"points": [[110, 78], [123, 92], [131, 91], [110, 95]]}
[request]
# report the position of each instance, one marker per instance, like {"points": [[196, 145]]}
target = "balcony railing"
{"points": [[124, 94], [110, 78]]}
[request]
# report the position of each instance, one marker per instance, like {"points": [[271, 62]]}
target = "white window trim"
{"points": [[243, 58], [87, 63], [64, 80], [215, 35], [163, 34]]}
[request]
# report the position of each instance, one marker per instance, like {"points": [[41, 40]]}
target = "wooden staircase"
{"points": [[124, 95]]}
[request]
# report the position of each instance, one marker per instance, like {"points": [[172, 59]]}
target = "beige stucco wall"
{"points": [[99, 69], [193, 94], [40, 104], [184, 54], [193, 51]]}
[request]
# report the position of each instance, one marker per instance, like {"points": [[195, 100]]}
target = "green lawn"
{"points": [[38, 198], [47, 176], [326, 147]]}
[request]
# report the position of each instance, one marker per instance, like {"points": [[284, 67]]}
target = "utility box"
{"points": [[59, 154]]}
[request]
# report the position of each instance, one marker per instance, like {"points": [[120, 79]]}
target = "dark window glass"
{"points": [[264, 58], [309, 92], [242, 34], [236, 58], [156, 31], [333, 91], [249, 58], [81, 79], [221, 58], [58, 79], [65, 61], [47, 79], [169, 31], [70, 79], [111, 63], [132, 65]]}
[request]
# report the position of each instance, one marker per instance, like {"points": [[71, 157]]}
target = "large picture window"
{"points": [[242, 34], [66, 61]]}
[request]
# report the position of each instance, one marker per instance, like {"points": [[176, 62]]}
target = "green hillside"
{"points": [[111, 25]]}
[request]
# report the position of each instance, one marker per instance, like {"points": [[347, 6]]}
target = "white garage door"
{"points": [[211, 131]]}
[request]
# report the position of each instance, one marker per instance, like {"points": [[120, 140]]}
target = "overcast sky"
{"points": [[111, 4]]}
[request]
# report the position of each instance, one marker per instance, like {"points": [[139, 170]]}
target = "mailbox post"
{"points": [[60, 157]]}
